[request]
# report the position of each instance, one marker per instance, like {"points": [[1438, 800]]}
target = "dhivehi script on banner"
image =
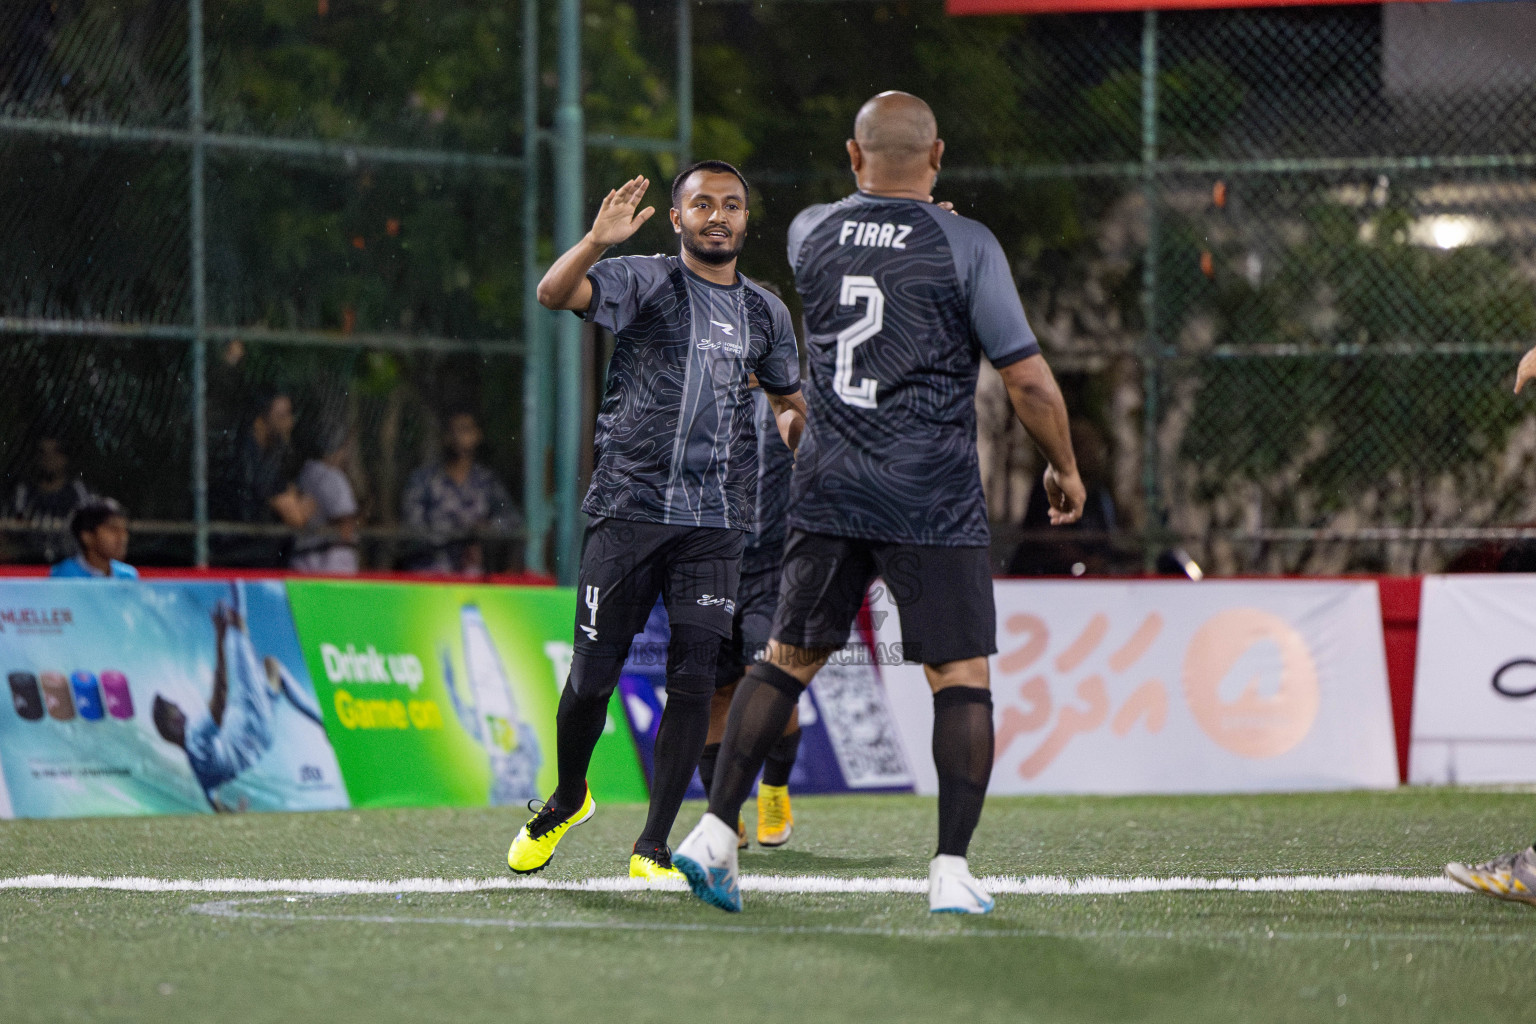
{"points": [[1172, 687], [1474, 693]]}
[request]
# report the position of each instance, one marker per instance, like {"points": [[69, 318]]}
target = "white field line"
{"points": [[1008, 885]]}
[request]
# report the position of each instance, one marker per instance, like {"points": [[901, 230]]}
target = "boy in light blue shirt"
{"points": [[101, 531]]}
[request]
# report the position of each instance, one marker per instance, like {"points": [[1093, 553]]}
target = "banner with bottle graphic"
{"points": [[153, 698], [1172, 687], [437, 694]]}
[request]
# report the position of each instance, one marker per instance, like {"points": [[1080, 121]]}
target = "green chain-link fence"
{"points": [[1306, 370]]}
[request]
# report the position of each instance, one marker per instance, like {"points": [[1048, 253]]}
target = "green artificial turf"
{"points": [[661, 956]]}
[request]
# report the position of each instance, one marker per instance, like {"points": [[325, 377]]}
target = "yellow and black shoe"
{"points": [[654, 864], [536, 841], [775, 821], [741, 833]]}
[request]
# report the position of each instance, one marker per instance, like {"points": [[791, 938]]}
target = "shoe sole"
{"points": [[698, 881], [774, 845], [580, 821]]}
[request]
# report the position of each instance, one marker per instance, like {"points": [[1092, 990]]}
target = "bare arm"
{"points": [[1038, 404], [1526, 371], [565, 284], [789, 412]]}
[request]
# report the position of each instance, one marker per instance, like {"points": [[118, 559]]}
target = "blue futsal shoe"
{"points": [[707, 858]]}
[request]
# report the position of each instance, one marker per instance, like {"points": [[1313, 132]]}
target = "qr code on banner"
{"points": [[860, 724]]}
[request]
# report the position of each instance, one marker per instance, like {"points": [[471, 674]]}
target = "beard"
{"points": [[698, 248]]}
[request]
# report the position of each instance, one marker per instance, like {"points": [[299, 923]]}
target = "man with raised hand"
{"points": [[901, 301], [674, 483]]}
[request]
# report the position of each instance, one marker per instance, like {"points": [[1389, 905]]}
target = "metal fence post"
{"points": [[684, 83], [199, 287], [1151, 351], [535, 334], [569, 160]]}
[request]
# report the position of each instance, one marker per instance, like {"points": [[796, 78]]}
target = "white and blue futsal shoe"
{"points": [[707, 858], [952, 890]]}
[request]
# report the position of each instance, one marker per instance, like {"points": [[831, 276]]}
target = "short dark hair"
{"points": [[715, 166], [92, 514]]}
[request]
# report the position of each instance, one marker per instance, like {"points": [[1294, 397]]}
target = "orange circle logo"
{"points": [[1274, 704]]}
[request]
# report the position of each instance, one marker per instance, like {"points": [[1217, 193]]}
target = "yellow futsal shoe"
{"points": [[775, 821], [652, 868], [536, 841], [741, 833], [1510, 877]]}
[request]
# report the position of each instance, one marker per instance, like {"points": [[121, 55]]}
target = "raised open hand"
{"points": [[616, 219]]}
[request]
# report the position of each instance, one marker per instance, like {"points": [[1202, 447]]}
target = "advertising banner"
{"points": [[151, 698], [438, 694], [1173, 687], [848, 736], [1474, 695]]}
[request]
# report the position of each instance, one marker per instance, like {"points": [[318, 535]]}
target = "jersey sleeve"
{"points": [[778, 371], [997, 314], [620, 286], [806, 221]]}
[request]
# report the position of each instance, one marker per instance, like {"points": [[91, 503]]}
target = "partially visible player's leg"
{"points": [[617, 585], [700, 591], [823, 585], [949, 622]]}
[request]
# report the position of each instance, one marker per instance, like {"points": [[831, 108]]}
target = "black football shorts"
{"points": [[625, 565], [944, 595]]}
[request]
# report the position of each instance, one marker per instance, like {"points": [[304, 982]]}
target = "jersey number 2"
{"points": [[855, 334]]}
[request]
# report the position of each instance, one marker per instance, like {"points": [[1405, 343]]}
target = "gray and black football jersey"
{"points": [[901, 299], [775, 461], [675, 439]]}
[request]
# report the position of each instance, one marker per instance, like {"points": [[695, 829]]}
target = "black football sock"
{"points": [[764, 700], [707, 766], [580, 718], [679, 741], [691, 657], [962, 753], [781, 760]]}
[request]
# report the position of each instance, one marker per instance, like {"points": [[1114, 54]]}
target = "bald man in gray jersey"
{"points": [[901, 301]]}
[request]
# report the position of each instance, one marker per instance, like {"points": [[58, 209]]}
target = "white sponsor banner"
{"points": [[1173, 687], [1474, 691]]}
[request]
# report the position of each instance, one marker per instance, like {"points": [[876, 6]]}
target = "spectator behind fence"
{"points": [[329, 541], [456, 499], [265, 492], [47, 501], [1083, 547], [101, 532]]}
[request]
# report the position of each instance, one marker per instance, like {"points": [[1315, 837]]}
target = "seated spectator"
{"points": [[265, 491], [456, 499], [329, 541], [47, 501], [1083, 547], [101, 531]]}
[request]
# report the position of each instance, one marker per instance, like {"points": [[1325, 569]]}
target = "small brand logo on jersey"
{"points": [[730, 346], [711, 601], [729, 329], [592, 595]]}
